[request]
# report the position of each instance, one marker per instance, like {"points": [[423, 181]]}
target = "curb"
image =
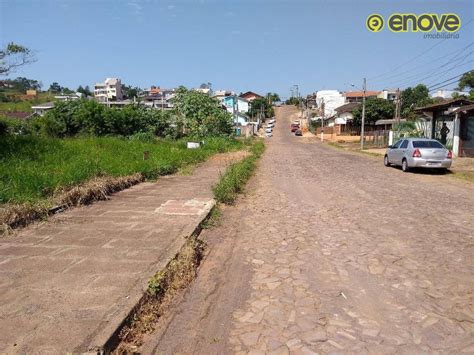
{"points": [[104, 340]]}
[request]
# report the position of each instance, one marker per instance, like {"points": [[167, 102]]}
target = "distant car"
{"points": [[294, 127], [298, 132], [268, 134], [270, 125], [418, 153], [296, 122], [272, 120], [268, 130]]}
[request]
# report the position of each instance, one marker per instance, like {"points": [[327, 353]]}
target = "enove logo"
{"points": [[401, 22]]}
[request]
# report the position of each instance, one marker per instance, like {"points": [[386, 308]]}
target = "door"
{"points": [[402, 151], [392, 152]]}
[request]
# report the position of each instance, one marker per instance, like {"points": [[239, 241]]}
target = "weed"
{"points": [[233, 181]]}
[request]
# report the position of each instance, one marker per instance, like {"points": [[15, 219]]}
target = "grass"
{"points": [[33, 169], [234, 179]]}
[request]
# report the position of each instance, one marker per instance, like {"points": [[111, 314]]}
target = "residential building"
{"points": [[458, 115], [238, 107], [357, 96], [109, 90], [159, 98], [390, 95], [221, 94], [72, 97], [330, 99], [448, 94], [250, 96], [41, 109]]}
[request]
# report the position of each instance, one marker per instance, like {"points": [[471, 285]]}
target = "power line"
{"points": [[434, 71], [454, 77], [444, 85], [421, 65], [419, 55]]}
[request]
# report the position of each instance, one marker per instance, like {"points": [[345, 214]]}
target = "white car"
{"points": [[270, 125], [272, 121], [268, 130], [268, 134]]}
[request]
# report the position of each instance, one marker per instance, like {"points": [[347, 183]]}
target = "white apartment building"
{"points": [[109, 90]]}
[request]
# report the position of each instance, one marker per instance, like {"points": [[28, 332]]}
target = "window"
{"points": [[404, 144], [427, 144], [397, 145]]}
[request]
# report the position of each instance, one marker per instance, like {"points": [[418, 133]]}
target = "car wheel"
{"points": [[386, 162], [405, 167]]}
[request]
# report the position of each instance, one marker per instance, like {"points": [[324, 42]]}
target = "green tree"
{"points": [[467, 81], [375, 109], [55, 88], [14, 56], [85, 91], [414, 97], [130, 92], [196, 113]]}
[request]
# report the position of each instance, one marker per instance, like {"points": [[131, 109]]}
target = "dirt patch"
{"points": [[163, 288]]}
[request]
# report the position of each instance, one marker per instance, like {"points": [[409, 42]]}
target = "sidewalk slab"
{"points": [[67, 284]]}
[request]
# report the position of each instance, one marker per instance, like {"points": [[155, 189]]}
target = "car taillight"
{"points": [[416, 153], [450, 155]]}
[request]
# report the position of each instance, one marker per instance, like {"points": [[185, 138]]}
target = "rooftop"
{"points": [[361, 93]]}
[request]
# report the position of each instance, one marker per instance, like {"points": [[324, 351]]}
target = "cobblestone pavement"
{"points": [[68, 283], [331, 252]]}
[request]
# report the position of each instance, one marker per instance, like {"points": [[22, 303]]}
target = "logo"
{"points": [[399, 22], [374, 22]]}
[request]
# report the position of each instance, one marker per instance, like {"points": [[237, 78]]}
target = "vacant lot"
{"points": [[33, 168]]}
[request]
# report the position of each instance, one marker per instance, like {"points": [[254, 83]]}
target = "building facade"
{"points": [[109, 90]]}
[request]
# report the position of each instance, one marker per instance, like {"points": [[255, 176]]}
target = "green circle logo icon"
{"points": [[374, 23]]}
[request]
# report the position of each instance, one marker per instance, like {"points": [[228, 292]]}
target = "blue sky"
{"points": [[259, 45]]}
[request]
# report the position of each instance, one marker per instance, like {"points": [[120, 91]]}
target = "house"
{"points": [[329, 99], [458, 114], [109, 90], [357, 96], [448, 94], [41, 109], [31, 93], [250, 96], [238, 107], [390, 95], [71, 97], [221, 94], [387, 124], [160, 98], [343, 114], [207, 91]]}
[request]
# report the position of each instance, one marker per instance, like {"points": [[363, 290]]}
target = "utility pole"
{"points": [[397, 106], [323, 108], [362, 135]]}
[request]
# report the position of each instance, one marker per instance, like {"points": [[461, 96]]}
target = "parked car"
{"points": [[272, 120], [268, 130], [294, 127], [268, 134], [418, 153], [298, 132], [270, 125]]}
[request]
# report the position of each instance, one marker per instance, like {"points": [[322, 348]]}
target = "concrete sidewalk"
{"points": [[67, 284]]}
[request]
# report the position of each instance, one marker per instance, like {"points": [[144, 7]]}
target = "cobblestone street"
{"points": [[331, 251]]}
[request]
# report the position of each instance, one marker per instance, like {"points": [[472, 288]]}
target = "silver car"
{"points": [[418, 153]]}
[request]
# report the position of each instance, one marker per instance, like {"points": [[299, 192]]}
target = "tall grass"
{"points": [[33, 169], [234, 179]]}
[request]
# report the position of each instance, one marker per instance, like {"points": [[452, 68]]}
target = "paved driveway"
{"points": [[331, 251]]}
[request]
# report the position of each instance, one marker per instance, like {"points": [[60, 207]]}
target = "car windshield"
{"points": [[427, 144]]}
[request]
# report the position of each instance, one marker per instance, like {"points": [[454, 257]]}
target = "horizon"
{"points": [[262, 47]]}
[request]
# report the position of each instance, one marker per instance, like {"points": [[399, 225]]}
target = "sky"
{"points": [[258, 45]]}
